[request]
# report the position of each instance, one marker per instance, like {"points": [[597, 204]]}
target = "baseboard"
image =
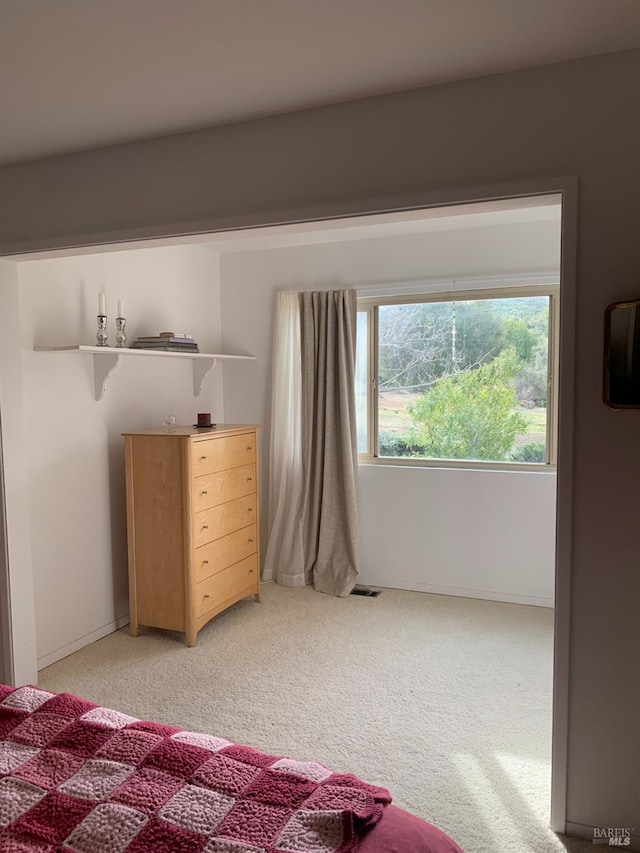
{"points": [[462, 592], [371, 580], [581, 830], [81, 642]]}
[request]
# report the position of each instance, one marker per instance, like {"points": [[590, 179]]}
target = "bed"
{"points": [[79, 778]]}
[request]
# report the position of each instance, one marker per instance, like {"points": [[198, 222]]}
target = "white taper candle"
{"points": [[120, 308], [102, 304]]}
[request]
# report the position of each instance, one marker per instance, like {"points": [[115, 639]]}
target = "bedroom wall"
{"points": [[18, 583], [5, 622], [414, 541], [428, 146], [75, 450]]}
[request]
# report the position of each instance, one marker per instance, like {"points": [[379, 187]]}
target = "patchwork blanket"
{"points": [[79, 778]]}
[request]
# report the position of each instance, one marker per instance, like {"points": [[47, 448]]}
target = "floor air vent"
{"points": [[365, 590]]}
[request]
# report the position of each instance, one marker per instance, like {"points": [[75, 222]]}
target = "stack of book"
{"points": [[167, 341]]}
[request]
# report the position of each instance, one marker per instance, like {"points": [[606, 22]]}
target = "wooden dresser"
{"points": [[192, 524]]}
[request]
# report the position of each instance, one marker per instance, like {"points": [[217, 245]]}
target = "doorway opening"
{"points": [[355, 232]]}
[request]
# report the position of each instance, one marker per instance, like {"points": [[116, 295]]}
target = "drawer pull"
{"points": [[203, 458], [206, 595], [205, 562], [249, 479], [204, 493], [204, 527], [250, 509], [250, 571], [249, 540], [249, 448]]}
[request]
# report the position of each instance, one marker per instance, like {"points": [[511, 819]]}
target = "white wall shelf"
{"points": [[106, 359]]}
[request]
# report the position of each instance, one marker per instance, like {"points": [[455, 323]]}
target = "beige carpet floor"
{"points": [[445, 701]]}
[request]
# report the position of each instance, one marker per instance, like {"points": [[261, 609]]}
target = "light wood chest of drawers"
{"points": [[192, 524]]}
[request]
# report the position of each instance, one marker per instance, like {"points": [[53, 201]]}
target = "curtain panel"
{"points": [[313, 512], [329, 441], [284, 558]]}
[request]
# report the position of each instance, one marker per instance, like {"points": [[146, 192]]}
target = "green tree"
{"points": [[519, 335], [470, 415], [534, 451], [480, 332]]}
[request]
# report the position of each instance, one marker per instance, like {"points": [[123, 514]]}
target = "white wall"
{"points": [[460, 532], [76, 462], [19, 633]]}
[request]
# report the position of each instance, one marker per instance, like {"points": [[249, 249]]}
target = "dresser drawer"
{"points": [[218, 454], [210, 524], [223, 486], [220, 553], [224, 585]]}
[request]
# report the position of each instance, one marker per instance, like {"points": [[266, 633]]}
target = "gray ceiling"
{"points": [[78, 74]]}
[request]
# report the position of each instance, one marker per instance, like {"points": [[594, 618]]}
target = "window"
{"points": [[465, 377]]}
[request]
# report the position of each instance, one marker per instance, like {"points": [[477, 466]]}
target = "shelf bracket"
{"points": [[201, 367], [103, 366]]}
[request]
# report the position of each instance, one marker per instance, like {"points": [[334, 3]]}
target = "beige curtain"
{"points": [[284, 559], [329, 442]]}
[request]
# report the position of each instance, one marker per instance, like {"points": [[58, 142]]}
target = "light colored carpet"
{"points": [[445, 701]]}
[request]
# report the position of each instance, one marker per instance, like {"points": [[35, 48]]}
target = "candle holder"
{"points": [[121, 338], [102, 334]]}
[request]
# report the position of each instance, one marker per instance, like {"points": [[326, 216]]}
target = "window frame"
{"points": [[371, 304]]}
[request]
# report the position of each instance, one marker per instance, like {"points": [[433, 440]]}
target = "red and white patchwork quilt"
{"points": [[78, 778]]}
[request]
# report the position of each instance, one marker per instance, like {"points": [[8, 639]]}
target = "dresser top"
{"points": [[196, 432]]}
